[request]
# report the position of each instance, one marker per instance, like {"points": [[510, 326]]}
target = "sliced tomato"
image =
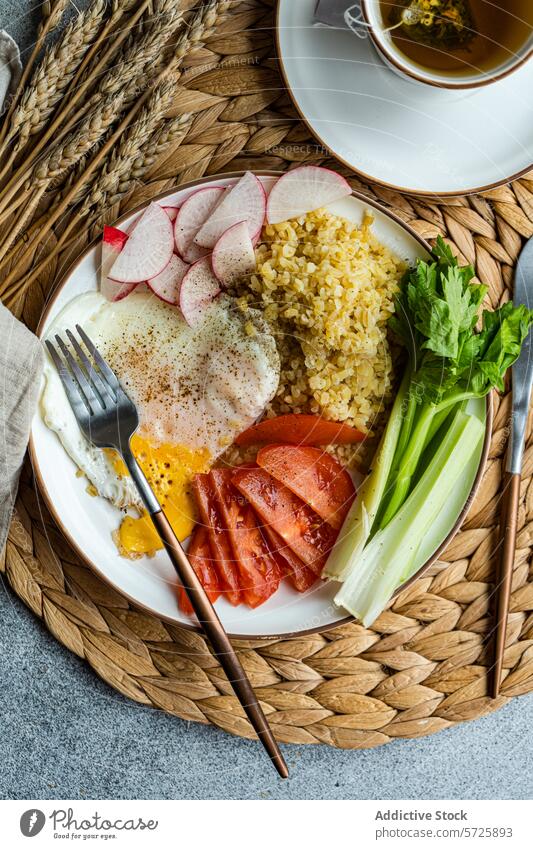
{"points": [[300, 429], [218, 538], [297, 524], [201, 559], [291, 566], [312, 474], [259, 572]]}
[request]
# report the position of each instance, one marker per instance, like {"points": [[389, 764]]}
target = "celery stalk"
{"points": [[358, 523], [381, 565]]}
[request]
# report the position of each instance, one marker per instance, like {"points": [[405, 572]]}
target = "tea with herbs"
{"points": [[458, 36]]}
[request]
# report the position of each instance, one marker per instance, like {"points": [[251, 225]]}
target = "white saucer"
{"points": [[404, 135]]}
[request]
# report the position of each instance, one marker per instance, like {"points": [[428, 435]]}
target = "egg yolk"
{"points": [[169, 470]]}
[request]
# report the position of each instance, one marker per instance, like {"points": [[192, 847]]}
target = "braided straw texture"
{"points": [[423, 666]]}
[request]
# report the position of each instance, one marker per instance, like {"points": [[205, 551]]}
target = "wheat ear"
{"points": [[160, 141], [51, 79], [119, 8], [201, 27], [66, 154], [146, 51], [32, 232], [52, 14], [137, 57], [133, 161], [138, 151], [119, 176], [78, 144]]}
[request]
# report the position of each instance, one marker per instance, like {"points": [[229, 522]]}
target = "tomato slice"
{"points": [[258, 570], [300, 429], [218, 538], [312, 474], [291, 566], [202, 562], [297, 524]]}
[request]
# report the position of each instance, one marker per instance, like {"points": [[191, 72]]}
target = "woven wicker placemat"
{"points": [[423, 666]]}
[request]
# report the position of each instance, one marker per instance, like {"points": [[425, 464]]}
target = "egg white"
{"points": [[197, 387]]}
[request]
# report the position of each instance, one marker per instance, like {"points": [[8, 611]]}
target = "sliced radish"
{"points": [[192, 214], [113, 240], [198, 288], [114, 291], [233, 255], [167, 284], [303, 190], [172, 212], [245, 201], [148, 249]]}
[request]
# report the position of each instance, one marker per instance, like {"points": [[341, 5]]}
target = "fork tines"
{"points": [[88, 380]]}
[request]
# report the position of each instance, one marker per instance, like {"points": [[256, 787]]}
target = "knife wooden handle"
{"points": [[504, 574]]}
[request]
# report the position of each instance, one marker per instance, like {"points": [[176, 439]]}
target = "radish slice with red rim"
{"points": [[303, 190], [148, 249], [245, 201], [192, 214], [114, 291], [172, 212], [167, 284], [199, 288], [113, 240], [233, 255]]}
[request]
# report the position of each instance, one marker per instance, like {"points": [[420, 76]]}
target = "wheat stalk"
{"points": [[33, 230], [143, 54], [78, 144], [115, 171], [136, 57], [50, 81], [53, 75], [119, 8], [129, 166], [134, 159], [21, 222], [52, 11], [136, 154], [171, 133], [65, 155], [201, 27], [52, 14], [150, 116]]}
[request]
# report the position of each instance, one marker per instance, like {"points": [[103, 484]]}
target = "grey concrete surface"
{"points": [[66, 734]]}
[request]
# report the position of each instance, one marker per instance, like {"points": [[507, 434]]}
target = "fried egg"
{"points": [[195, 389]]}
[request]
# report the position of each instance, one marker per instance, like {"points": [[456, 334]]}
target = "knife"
{"points": [[522, 380]]}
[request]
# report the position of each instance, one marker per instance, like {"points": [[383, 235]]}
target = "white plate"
{"points": [[404, 135], [88, 522]]}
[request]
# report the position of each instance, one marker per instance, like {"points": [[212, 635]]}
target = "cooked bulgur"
{"points": [[326, 288]]}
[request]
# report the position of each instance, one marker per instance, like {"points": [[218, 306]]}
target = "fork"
{"points": [[109, 418]]}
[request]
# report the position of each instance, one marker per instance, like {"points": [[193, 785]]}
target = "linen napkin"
{"points": [[21, 356], [21, 362], [10, 67]]}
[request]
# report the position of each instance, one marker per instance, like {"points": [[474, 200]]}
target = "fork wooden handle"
{"points": [[504, 575], [219, 640]]}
